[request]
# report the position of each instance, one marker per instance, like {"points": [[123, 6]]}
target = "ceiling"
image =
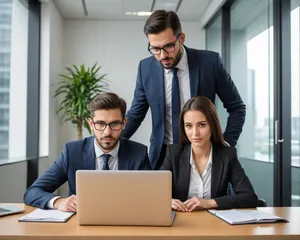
{"points": [[187, 10], [243, 14]]}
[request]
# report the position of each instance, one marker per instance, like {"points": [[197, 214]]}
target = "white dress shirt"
{"points": [[113, 159], [200, 186], [112, 163], [184, 89]]}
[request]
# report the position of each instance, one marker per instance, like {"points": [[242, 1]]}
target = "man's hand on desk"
{"points": [[193, 204], [66, 204]]}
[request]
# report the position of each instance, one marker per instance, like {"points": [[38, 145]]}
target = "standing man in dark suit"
{"points": [[170, 77], [104, 151]]}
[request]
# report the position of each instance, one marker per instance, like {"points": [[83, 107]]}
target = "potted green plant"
{"points": [[78, 87]]}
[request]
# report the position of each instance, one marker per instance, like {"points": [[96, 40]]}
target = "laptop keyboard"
{"points": [[3, 210]]}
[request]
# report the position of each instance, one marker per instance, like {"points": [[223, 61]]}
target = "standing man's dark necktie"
{"points": [[175, 106], [105, 158]]}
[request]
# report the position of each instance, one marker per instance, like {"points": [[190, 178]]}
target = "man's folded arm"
{"points": [[41, 191]]}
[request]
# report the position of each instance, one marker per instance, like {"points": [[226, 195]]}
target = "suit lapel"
{"points": [[216, 172], [123, 156], [194, 68], [89, 155], [159, 83], [185, 169]]}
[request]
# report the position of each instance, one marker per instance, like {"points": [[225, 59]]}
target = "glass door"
{"points": [[251, 68], [295, 101]]}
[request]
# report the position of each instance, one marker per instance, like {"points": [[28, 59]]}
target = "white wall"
{"points": [[56, 66], [51, 65], [118, 46]]}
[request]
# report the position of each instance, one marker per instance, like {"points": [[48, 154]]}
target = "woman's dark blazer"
{"points": [[226, 168]]}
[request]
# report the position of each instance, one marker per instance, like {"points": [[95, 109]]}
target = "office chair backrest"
{"points": [[260, 202]]}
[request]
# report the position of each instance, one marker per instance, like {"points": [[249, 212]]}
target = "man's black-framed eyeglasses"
{"points": [[114, 126], [168, 48]]}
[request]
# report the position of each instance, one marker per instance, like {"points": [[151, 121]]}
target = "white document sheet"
{"points": [[51, 215]]}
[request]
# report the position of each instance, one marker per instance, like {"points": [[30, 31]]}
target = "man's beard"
{"points": [[176, 60], [107, 146]]}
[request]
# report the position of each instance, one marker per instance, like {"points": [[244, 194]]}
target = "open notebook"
{"points": [[235, 216]]}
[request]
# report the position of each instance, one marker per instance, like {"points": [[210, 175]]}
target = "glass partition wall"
{"points": [[261, 41], [295, 101], [251, 61]]}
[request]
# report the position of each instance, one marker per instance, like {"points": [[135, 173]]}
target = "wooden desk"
{"points": [[196, 225]]}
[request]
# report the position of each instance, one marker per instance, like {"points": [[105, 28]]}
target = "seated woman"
{"points": [[203, 165]]}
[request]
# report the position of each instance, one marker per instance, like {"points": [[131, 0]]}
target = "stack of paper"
{"points": [[52, 215]]}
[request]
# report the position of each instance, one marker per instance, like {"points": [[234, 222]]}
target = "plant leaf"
{"points": [[78, 86]]}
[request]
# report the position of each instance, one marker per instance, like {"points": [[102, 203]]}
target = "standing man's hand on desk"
{"points": [[66, 204]]}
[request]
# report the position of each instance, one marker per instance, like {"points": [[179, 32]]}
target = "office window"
{"points": [[4, 115], [5, 33], [4, 60], [4, 97], [18, 81], [13, 78], [4, 80], [5, 38], [251, 68], [5, 15], [295, 108]]}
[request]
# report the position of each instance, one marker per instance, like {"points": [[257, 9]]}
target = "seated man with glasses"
{"points": [[106, 150]]}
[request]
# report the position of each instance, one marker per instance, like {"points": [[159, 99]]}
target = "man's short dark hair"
{"points": [[160, 20], [108, 100]]}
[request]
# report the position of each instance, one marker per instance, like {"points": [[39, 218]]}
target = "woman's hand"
{"points": [[179, 206], [195, 203]]}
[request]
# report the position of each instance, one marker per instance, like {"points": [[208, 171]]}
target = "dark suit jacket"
{"points": [[81, 155], [208, 77], [226, 168]]}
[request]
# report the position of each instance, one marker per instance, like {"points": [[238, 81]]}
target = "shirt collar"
{"points": [[209, 163], [113, 153], [182, 64]]}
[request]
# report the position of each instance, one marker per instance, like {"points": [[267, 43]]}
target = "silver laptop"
{"points": [[8, 210], [124, 198]]}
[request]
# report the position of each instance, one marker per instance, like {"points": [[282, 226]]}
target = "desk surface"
{"points": [[186, 226]]}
